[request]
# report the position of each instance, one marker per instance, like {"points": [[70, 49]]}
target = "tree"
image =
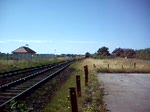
{"points": [[130, 53], [118, 52], [103, 51], [143, 54]]}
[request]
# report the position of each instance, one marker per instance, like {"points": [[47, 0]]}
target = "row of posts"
{"points": [[122, 66], [73, 97]]}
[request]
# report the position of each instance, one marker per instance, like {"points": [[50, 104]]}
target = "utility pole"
{"points": [[55, 53]]}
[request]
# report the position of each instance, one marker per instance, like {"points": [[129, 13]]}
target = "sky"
{"points": [[74, 26]]}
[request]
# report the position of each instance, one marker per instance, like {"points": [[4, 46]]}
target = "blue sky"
{"points": [[74, 26]]}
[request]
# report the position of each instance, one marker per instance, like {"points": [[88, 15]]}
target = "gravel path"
{"points": [[126, 92]]}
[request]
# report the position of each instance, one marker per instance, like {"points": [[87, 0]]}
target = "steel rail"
{"points": [[29, 76], [15, 72], [9, 77], [38, 84]]}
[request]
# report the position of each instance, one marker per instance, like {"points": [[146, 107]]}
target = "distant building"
{"points": [[23, 53], [23, 50]]}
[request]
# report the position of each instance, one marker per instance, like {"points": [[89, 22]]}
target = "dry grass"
{"points": [[60, 102], [6, 65], [91, 100], [121, 65], [9, 65]]}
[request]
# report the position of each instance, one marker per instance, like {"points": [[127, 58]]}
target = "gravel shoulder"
{"points": [[126, 92]]}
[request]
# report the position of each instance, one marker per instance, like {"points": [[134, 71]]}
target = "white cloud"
{"points": [[47, 41], [30, 41], [82, 42], [2, 42]]}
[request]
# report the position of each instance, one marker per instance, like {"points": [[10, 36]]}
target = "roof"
{"points": [[23, 49]]}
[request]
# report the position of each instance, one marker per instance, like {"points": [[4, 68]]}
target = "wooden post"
{"points": [[86, 74], [122, 66], [78, 85], [134, 65], [73, 99], [17, 60], [108, 65], [7, 58], [94, 65]]}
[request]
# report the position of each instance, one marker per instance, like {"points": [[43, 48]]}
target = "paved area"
{"points": [[126, 92]]}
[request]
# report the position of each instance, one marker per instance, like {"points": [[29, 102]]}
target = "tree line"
{"points": [[103, 52]]}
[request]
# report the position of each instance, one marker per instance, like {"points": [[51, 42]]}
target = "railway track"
{"points": [[11, 76], [20, 86]]}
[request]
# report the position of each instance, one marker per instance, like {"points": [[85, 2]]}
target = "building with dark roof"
{"points": [[23, 53], [23, 50]]}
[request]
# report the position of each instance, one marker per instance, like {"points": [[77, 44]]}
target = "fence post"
{"points": [[78, 85], [86, 74], [122, 66], [134, 65], [17, 61], [94, 65], [108, 65], [7, 58], [73, 99]]}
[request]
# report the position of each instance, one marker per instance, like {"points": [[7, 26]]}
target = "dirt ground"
{"points": [[126, 92]]}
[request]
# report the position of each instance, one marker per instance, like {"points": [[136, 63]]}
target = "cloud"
{"points": [[47, 41], [82, 42], [29, 41], [2, 42]]}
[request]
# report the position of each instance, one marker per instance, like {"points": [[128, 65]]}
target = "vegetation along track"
{"points": [[28, 82], [9, 77]]}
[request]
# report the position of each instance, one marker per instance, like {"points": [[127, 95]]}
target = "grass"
{"points": [[92, 95], [10, 65], [14, 65], [60, 102], [122, 65], [91, 99]]}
